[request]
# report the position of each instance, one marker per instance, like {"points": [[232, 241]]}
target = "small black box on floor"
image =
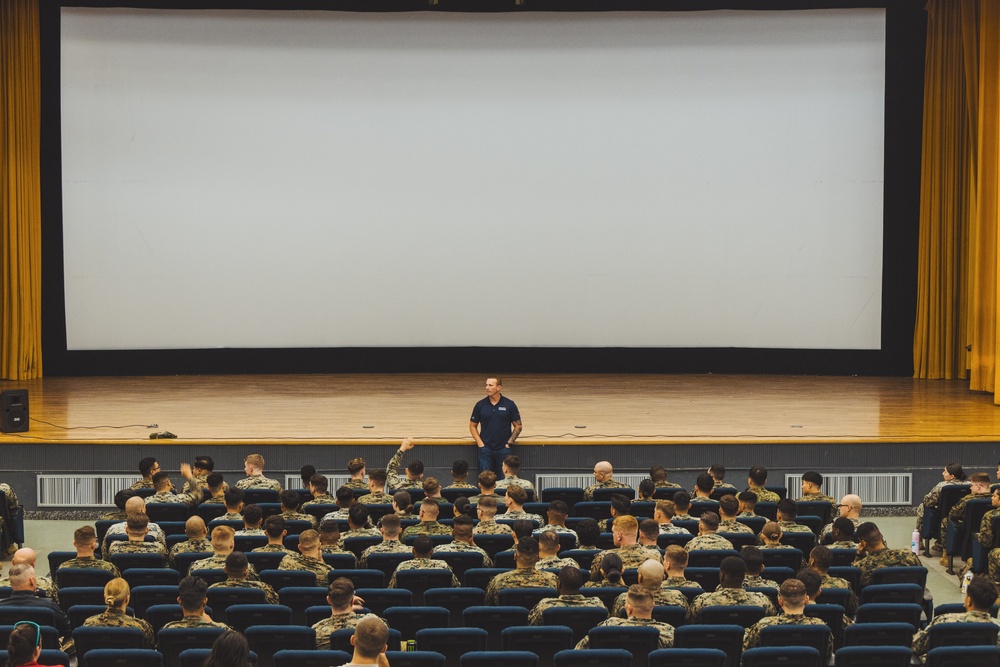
{"points": [[14, 404]]}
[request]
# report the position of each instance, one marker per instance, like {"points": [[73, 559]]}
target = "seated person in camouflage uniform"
{"points": [[770, 537], [222, 545], [390, 529], [237, 571], [650, 577], [120, 499], [603, 478], [514, 500], [675, 560], [414, 471], [319, 488], [843, 534], [202, 467], [979, 598], [708, 536], [812, 489], [658, 475], [344, 605], [820, 560], [44, 586], [548, 552], [646, 490], [134, 505], [423, 550], [164, 489], [788, 511], [309, 558], [274, 528], [556, 520], [639, 611], [519, 529], [873, 554], [117, 595], [192, 597], [402, 504], [511, 467], [462, 541], [649, 534], [792, 599], [718, 473], [462, 507], [813, 582], [570, 581], [25, 586], [253, 466], [359, 524], [356, 469], [487, 511], [609, 571], [682, 506], [748, 503], [216, 489], [376, 489], [730, 591], [487, 482], [729, 508], [345, 501], [329, 537], [196, 542], [625, 535], [756, 481], [460, 475], [620, 506], [253, 516], [233, 498], [429, 512], [432, 491], [290, 508], [663, 514], [703, 487], [979, 485], [85, 543], [137, 529], [369, 640], [754, 559], [524, 575], [148, 467]]}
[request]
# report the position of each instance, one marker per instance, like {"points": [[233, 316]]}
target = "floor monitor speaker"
{"points": [[14, 403]]}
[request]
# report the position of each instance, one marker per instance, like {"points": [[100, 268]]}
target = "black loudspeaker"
{"points": [[14, 403]]}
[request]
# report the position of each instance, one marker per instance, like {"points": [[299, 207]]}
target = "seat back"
{"points": [[888, 612], [387, 563], [498, 659], [418, 581], [947, 656], [741, 615], [266, 640], [151, 576], [313, 658], [221, 598], [605, 595], [874, 656], [879, 634], [578, 619], [892, 593], [364, 578], [494, 620], [452, 642], [380, 599], [709, 557], [265, 560], [242, 616], [171, 641], [726, 638], [72, 577], [460, 561], [639, 641], [607, 657], [687, 657], [833, 616], [408, 620], [357, 545], [543, 641], [524, 597], [790, 558], [706, 577], [593, 509], [70, 597], [93, 637], [124, 657], [804, 542], [414, 659], [962, 634], [900, 575], [158, 512], [816, 636], [278, 579], [127, 561], [455, 600], [786, 656]]}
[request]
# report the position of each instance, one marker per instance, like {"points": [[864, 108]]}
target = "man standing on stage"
{"points": [[500, 424]]}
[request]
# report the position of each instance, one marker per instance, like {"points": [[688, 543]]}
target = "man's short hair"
{"points": [[308, 539], [234, 497], [321, 483], [682, 500], [589, 531], [222, 536], [423, 546], [570, 578], [290, 499], [191, 593], [488, 504], [341, 592], [754, 559], [812, 580], [717, 471], [431, 486], [459, 468], [306, 472], [345, 496], [647, 488], [619, 503], [758, 475], [136, 523], [666, 508], [705, 482], [370, 636], [84, 535], [710, 519], [869, 532], [822, 557], [748, 497], [527, 546], [145, 465], [391, 524], [254, 461], [487, 479], [728, 505], [649, 529], [559, 508], [812, 477], [979, 478], [329, 528], [548, 539], [657, 473], [236, 562], [355, 465], [981, 592], [274, 525], [626, 524], [845, 526], [20, 574], [513, 463], [378, 476], [416, 468], [787, 508], [517, 494], [159, 478], [676, 554], [195, 527], [122, 497], [253, 514], [206, 463], [358, 515], [792, 590], [640, 598], [522, 528], [733, 567], [214, 481]]}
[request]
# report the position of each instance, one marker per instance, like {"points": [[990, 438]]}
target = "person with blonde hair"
{"points": [[356, 468], [223, 544], [253, 466], [770, 536], [116, 596], [310, 557]]}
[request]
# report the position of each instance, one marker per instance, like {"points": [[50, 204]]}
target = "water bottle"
{"points": [[965, 581], [915, 542]]}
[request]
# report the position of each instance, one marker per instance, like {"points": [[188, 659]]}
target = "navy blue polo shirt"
{"points": [[495, 420]]}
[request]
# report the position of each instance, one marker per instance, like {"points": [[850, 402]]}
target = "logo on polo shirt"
{"points": [[504, 409]]}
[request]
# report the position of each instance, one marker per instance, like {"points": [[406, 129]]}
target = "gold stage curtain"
{"points": [[957, 280], [20, 198]]}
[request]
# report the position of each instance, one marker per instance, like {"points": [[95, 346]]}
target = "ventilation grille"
{"points": [[894, 488], [81, 490], [543, 482], [334, 481]]}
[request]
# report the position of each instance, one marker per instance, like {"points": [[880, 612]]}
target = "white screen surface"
{"points": [[323, 179]]}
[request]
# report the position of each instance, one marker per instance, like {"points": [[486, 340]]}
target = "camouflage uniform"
{"points": [[336, 515], [423, 564], [362, 532], [91, 562], [683, 516], [751, 638], [709, 541], [884, 558], [218, 562], [555, 562], [774, 546], [719, 485], [300, 562], [196, 622], [322, 499], [588, 493], [730, 597], [356, 484], [763, 495], [671, 529], [993, 565], [299, 516], [792, 527], [141, 484], [932, 499], [828, 528], [327, 626], [197, 482], [844, 544], [393, 481], [632, 555], [514, 515], [661, 597], [666, 485], [559, 530], [252, 532], [461, 485], [386, 547], [130, 547], [333, 549], [228, 516], [514, 480], [666, 630], [817, 497], [270, 596], [492, 528], [465, 547], [259, 482], [202, 545], [679, 582], [117, 515], [475, 499], [734, 526], [272, 548], [757, 581], [189, 499], [535, 616], [377, 498], [921, 640], [440, 500], [747, 515], [986, 528], [215, 500], [603, 583], [522, 577], [427, 528], [116, 618], [833, 583], [957, 513], [120, 529]]}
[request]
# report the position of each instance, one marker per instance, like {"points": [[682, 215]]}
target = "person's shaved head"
{"points": [[24, 556], [195, 528], [651, 573], [135, 505], [603, 466]]}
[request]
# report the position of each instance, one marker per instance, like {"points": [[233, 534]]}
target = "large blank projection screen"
{"points": [[279, 179]]}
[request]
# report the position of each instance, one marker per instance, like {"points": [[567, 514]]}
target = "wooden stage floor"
{"points": [[570, 409]]}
